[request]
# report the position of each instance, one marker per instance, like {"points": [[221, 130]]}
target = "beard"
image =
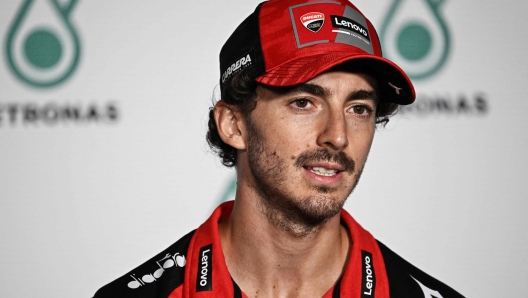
{"points": [[274, 184]]}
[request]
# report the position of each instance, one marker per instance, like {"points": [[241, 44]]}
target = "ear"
{"points": [[230, 125]]}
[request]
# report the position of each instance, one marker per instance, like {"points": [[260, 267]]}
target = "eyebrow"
{"points": [[322, 92], [364, 94], [311, 89]]}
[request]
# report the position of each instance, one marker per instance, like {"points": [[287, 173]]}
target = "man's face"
{"points": [[307, 147]]}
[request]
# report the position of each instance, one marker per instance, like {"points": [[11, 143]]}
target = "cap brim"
{"points": [[395, 86]]}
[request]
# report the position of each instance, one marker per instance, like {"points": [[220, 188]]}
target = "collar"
{"points": [[206, 273]]}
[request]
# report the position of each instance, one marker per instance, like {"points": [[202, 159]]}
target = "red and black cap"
{"points": [[288, 42]]}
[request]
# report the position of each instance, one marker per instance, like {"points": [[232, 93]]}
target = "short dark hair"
{"points": [[240, 93]]}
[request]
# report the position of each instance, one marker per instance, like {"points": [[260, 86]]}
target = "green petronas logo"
{"points": [[415, 36], [42, 47]]}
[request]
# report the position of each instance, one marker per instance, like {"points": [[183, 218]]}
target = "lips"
{"points": [[324, 168], [323, 176], [324, 163], [322, 171]]}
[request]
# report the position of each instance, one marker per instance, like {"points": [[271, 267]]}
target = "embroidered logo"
{"points": [[396, 88], [350, 26], [169, 261], [244, 61], [368, 278], [205, 269], [313, 21]]}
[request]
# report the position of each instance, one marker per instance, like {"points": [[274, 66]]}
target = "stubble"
{"points": [[296, 215]]}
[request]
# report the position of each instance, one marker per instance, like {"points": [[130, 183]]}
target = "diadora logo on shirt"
{"points": [[313, 21], [428, 293], [205, 269], [368, 279], [169, 261]]}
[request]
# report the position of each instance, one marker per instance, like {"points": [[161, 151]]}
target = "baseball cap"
{"points": [[289, 42]]}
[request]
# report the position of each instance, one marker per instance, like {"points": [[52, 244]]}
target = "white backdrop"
{"points": [[86, 197]]}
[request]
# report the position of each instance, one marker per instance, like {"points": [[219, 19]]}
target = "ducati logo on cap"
{"points": [[313, 21]]}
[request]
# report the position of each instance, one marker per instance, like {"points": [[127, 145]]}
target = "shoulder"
{"points": [[157, 277], [405, 280]]}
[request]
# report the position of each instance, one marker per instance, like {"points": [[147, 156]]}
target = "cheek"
{"points": [[359, 145], [293, 136], [292, 145]]}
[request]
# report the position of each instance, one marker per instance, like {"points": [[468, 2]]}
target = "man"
{"points": [[303, 86]]}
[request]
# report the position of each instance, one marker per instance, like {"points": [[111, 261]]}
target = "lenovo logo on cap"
{"points": [[313, 21], [350, 25]]}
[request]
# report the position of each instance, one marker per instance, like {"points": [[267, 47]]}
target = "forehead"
{"points": [[337, 80], [345, 79]]}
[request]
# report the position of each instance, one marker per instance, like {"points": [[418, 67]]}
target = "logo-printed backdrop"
{"points": [[103, 159]]}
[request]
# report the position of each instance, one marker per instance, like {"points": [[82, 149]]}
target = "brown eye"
{"points": [[360, 109], [302, 103]]}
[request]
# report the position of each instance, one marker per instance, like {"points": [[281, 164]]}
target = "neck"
{"points": [[267, 260]]}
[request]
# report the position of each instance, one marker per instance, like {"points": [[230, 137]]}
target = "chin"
{"points": [[320, 208], [301, 216]]}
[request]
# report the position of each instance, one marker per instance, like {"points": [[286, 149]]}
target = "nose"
{"points": [[333, 133]]}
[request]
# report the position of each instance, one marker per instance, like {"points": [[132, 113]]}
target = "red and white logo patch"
{"points": [[313, 21]]}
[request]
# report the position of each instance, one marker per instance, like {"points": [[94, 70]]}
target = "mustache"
{"points": [[323, 155]]}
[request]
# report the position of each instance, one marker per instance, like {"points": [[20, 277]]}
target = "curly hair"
{"points": [[241, 93]]}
